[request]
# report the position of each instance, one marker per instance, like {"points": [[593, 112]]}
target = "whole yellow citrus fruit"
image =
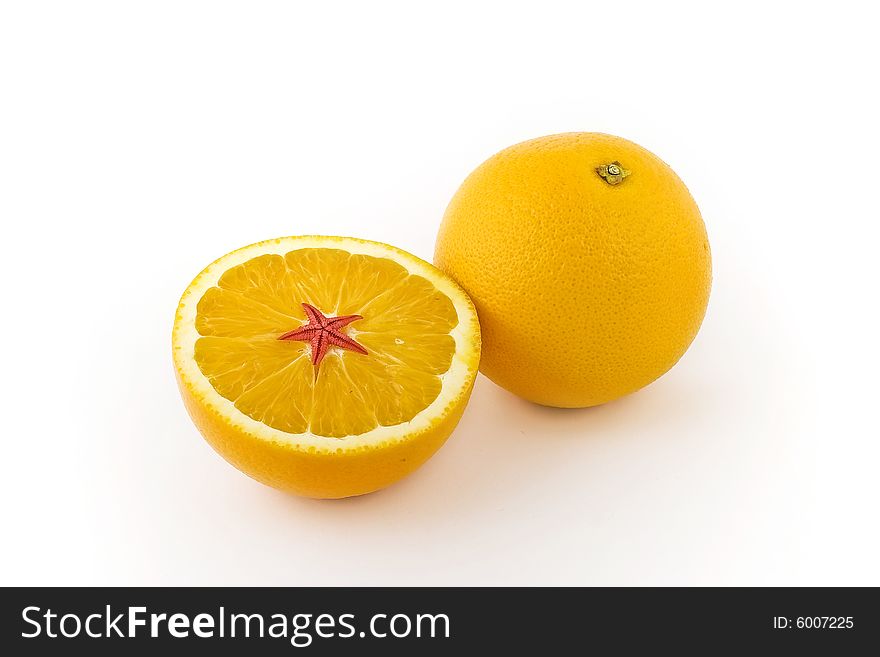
{"points": [[588, 263], [325, 366]]}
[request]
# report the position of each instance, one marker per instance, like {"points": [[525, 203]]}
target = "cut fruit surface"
{"points": [[325, 366]]}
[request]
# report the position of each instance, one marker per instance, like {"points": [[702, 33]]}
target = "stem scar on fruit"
{"points": [[613, 173], [323, 332]]}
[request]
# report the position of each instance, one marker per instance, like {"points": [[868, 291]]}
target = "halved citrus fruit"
{"points": [[325, 366]]}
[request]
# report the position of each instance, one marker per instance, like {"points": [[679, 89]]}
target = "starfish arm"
{"points": [[304, 333], [316, 317], [342, 340], [343, 320], [320, 345]]}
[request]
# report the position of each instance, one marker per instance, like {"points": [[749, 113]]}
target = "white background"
{"points": [[139, 141]]}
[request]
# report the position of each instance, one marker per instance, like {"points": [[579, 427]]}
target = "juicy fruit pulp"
{"points": [[329, 350], [405, 328], [599, 233]]}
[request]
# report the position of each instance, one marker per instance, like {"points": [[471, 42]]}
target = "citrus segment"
{"points": [[230, 314], [264, 279], [268, 401]]}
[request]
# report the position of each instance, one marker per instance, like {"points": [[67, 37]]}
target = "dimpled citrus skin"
{"points": [[319, 473], [585, 291]]}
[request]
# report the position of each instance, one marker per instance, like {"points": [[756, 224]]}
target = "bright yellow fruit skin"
{"points": [[586, 291], [314, 473]]}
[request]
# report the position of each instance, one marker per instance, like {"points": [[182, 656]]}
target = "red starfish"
{"points": [[323, 332]]}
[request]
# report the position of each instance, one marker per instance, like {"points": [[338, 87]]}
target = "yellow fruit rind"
{"points": [[586, 290]]}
